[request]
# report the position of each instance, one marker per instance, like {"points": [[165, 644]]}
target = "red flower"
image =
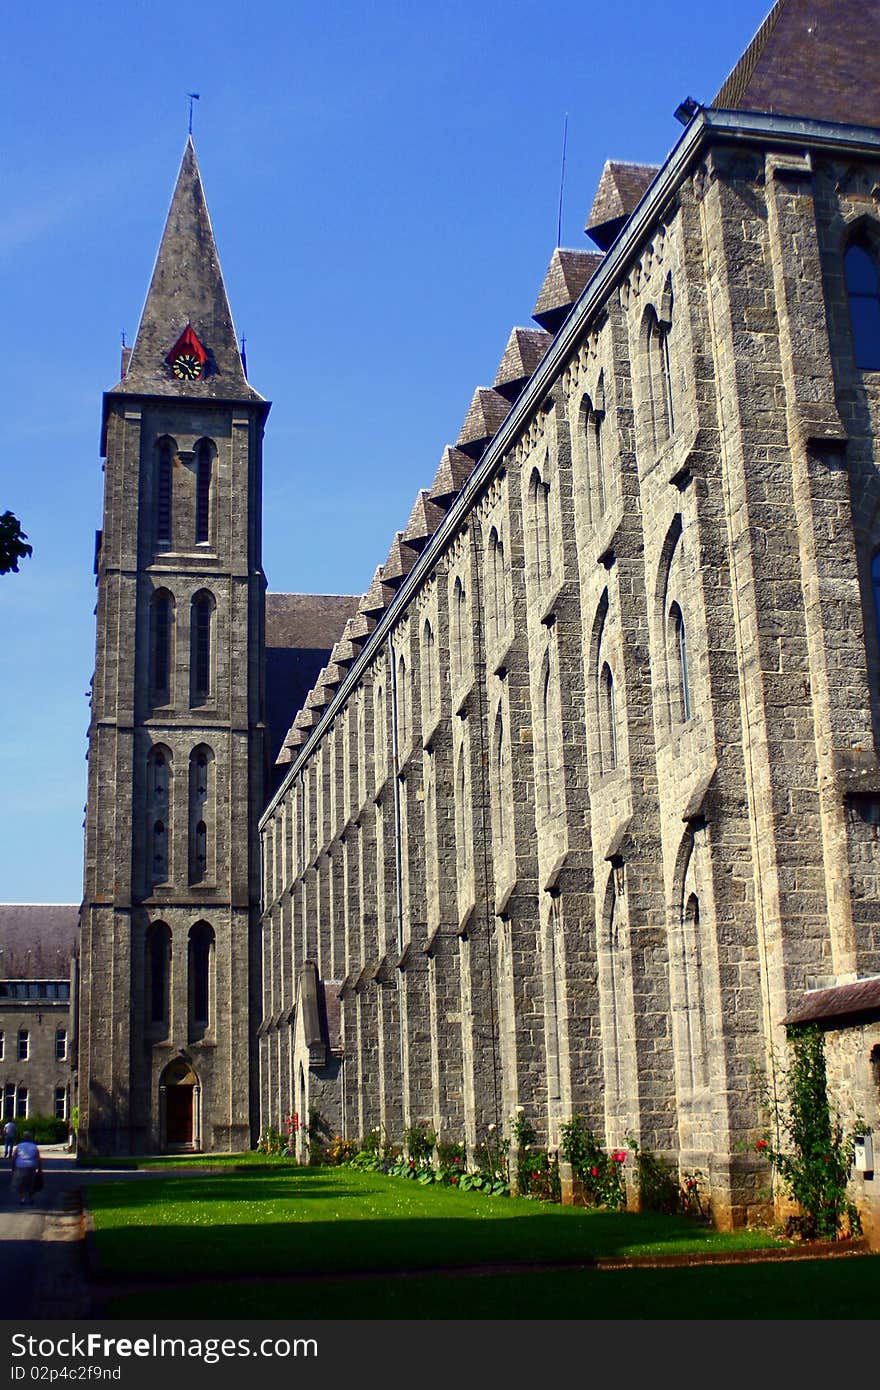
{"points": [[454, 1181], [761, 1145], [595, 1172]]}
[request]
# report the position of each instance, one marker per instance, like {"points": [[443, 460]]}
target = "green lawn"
{"points": [[340, 1225], [338, 1220]]}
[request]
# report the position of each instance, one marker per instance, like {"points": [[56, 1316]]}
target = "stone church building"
{"points": [[581, 807]]}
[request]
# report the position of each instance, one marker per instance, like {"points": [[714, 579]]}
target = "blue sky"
{"points": [[383, 181]]}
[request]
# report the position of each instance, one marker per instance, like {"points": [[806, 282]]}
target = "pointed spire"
{"points": [[187, 293]]}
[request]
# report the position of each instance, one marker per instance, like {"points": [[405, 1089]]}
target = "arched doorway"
{"points": [[179, 1107]]}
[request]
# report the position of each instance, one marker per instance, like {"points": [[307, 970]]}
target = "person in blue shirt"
{"points": [[8, 1138], [26, 1169]]}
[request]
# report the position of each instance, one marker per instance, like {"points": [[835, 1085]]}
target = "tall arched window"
{"points": [[498, 786], [693, 986], [539, 502], [159, 773], [681, 690], [615, 990], [201, 817], [659, 376], [863, 289], [203, 491], [163, 494], [608, 719], [464, 830], [380, 732], [161, 645], [429, 673], [158, 975], [552, 1007], [457, 629], [497, 586], [201, 623], [200, 962], [402, 701], [597, 486]]}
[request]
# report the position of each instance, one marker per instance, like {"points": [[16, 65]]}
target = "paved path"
{"points": [[42, 1272]]}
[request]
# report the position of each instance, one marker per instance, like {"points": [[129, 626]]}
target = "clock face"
{"points": [[186, 367]]}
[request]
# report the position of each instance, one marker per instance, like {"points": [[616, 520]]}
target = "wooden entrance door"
{"points": [[179, 1115]]}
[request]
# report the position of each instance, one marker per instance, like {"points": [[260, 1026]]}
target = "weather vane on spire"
{"points": [[193, 96]]}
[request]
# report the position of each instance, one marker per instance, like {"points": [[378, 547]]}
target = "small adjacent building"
{"points": [[38, 987]]}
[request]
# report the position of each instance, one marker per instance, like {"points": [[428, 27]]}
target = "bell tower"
{"points": [[169, 975]]}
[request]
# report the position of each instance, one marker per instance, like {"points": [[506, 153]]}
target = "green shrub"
{"points": [[599, 1174], [46, 1129], [657, 1180], [419, 1142], [815, 1161]]}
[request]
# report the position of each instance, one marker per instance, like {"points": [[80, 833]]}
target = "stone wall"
{"points": [[600, 799]]}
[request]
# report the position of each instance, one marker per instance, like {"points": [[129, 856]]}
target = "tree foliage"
{"points": [[13, 543]]}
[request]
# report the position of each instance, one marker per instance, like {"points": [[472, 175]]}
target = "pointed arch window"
{"points": [[464, 831], [200, 978], [201, 624], [693, 986], [161, 645], [681, 689], [158, 974], [380, 733], [597, 484], [458, 627], [539, 502], [501, 790], [552, 1006], [429, 673], [863, 291], [204, 469], [159, 773], [608, 719], [201, 812], [163, 494], [402, 703], [659, 373], [497, 586]]}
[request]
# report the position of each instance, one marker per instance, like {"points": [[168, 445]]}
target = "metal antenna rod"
{"points": [[562, 182]]}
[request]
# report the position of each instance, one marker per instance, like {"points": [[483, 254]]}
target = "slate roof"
{"points": [[524, 350], [567, 275], [840, 1001], [798, 65], [301, 631], [37, 940], [621, 188], [307, 620]]}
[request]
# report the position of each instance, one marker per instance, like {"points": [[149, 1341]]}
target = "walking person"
{"points": [[8, 1138], [27, 1169]]}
